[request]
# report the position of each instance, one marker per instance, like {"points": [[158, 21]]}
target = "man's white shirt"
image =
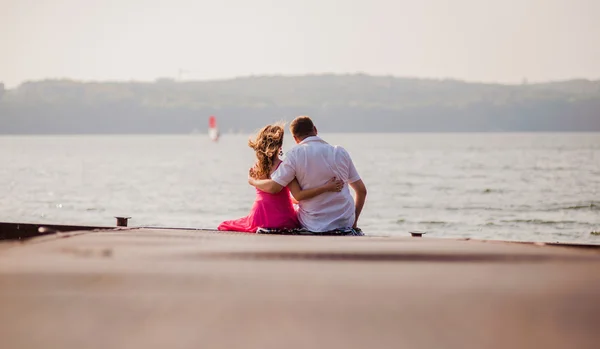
{"points": [[314, 162]]}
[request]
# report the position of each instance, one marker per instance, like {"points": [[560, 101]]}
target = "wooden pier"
{"points": [[160, 288]]}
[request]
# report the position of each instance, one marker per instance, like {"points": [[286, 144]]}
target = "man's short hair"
{"points": [[302, 126]]}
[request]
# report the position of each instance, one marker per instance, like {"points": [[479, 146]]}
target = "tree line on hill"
{"points": [[337, 103]]}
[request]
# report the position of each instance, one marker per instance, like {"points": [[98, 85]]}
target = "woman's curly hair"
{"points": [[266, 144]]}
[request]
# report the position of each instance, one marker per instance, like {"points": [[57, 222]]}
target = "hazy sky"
{"points": [[475, 40]]}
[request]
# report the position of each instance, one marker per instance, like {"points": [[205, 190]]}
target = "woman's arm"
{"points": [[300, 194]]}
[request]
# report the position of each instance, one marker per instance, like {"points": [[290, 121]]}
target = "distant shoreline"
{"points": [[344, 103], [172, 80], [201, 135]]}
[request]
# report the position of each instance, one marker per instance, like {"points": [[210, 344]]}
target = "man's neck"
{"points": [[305, 137]]}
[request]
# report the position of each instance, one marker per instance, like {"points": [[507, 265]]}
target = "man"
{"points": [[314, 162]]}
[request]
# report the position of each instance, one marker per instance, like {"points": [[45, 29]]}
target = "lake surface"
{"points": [[527, 187]]}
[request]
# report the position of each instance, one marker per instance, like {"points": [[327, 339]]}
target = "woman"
{"points": [[275, 211]]}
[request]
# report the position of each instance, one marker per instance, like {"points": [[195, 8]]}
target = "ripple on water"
{"points": [[513, 186]]}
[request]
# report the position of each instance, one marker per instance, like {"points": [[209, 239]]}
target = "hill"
{"points": [[338, 103]]}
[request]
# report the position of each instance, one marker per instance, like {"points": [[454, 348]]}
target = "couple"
{"points": [[316, 174]]}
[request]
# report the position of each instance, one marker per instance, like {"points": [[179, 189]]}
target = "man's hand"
{"points": [[251, 174], [266, 185]]}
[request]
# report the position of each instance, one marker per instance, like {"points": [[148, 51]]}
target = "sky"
{"points": [[502, 41]]}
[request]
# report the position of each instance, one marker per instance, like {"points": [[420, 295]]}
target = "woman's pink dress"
{"points": [[269, 211]]}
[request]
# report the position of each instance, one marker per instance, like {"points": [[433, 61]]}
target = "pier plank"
{"points": [[157, 288]]}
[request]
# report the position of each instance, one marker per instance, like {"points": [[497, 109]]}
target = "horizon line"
{"points": [[160, 79]]}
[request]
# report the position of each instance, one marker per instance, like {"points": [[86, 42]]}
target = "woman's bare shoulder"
{"points": [[275, 165]]}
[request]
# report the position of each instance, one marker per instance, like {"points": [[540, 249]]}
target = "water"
{"points": [[528, 187]]}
